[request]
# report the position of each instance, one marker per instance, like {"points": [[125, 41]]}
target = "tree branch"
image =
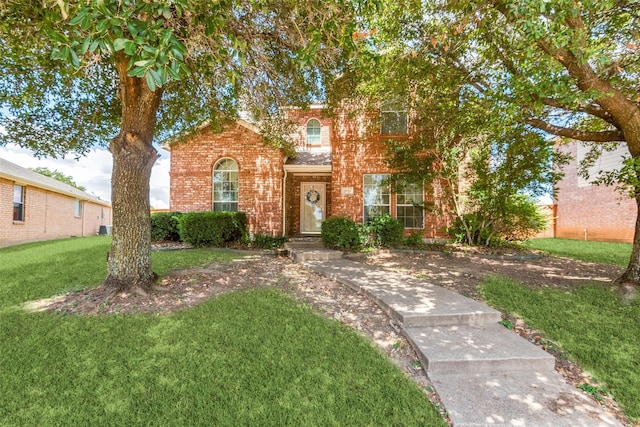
{"points": [[580, 135]]}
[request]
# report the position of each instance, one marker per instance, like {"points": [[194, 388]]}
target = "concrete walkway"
{"points": [[484, 374]]}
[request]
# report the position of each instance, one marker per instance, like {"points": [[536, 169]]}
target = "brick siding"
{"points": [[356, 149], [592, 212], [259, 178], [48, 215]]}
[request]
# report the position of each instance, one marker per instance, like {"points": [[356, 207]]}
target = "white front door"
{"points": [[312, 206]]}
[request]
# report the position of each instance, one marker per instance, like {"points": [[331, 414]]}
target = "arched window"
{"points": [[225, 185], [313, 132]]}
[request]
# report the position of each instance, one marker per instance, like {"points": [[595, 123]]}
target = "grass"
{"points": [[248, 358], [589, 324], [601, 252]]}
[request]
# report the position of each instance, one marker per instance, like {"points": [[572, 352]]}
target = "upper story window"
{"points": [[313, 132], [393, 117], [225, 185], [18, 203]]}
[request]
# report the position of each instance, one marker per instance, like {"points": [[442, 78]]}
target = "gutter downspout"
{"points": [[284, 199]]}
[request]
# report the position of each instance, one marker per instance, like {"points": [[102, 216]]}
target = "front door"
{"points": [[312, 206]]}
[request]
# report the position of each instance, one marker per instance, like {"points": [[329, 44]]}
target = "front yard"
{"points": [[241, 339], [251, 357]]}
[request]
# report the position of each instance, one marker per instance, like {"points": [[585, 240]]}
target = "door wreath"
{"points": [[312, 196]]}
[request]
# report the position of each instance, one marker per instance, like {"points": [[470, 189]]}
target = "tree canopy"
{"points": [[123, 72], [56, 174], [555, 68]]}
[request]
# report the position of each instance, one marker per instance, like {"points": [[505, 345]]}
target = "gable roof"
{"points": [[23, 176], [166, 144]]}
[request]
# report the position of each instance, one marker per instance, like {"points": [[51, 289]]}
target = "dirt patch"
{"points": [[460, 272]]}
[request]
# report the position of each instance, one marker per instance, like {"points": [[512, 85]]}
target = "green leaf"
{"points": [[103, 25], [85, 45], [119, 44], [75, 61], [142, 63], [156, 77], [130, 48], [150, 82], [79, 17], [137, 72]]}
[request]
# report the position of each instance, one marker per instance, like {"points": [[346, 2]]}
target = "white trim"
{"points": [[308, 168]]}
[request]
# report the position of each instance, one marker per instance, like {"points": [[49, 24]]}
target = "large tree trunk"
{"points": [[630, 279], [129, 260]]}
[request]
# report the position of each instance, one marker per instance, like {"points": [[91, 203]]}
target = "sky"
{"points": [[93, 171]]}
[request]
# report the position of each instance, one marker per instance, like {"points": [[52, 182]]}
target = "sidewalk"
{"points": [[484, 374]]}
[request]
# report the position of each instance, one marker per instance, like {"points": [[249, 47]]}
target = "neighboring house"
{"points": [[36, 207], [339, 170], [593, 212]]}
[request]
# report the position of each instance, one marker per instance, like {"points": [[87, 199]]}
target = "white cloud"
{"points": [[93, 171]]}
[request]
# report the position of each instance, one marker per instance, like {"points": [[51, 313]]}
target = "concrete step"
{"points": [[410, 301], [525, 398], [305, 255], [476, 349]]}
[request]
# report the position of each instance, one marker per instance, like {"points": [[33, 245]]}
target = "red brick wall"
{"points": [[358, 149], [597, 209], [302, 117], [260, 175], [48, 215]]}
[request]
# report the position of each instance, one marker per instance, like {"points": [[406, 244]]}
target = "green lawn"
{"points": [[589, 324], [247, 358], [602, 252]]}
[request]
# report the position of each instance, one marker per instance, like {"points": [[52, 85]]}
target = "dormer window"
{"points": [[393, 117], [313, 132]]}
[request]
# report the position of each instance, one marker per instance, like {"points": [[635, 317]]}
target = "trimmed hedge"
{"points": [[164, 226], [212, 228]]}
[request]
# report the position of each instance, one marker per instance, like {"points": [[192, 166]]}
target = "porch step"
{"points": [[304, 250], [476, 349]]}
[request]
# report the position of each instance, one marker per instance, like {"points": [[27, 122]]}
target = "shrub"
{"points": [[518, 218], [265, 241], [414, 240], [164, 226], [212, 228], [340, 232], [385, 231]]}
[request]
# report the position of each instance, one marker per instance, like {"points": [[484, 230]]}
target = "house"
{"points": [[339, 169], [593, 212], [36, 207]]}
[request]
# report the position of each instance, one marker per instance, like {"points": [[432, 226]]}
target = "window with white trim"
{"points": [[409, 205], [78, 208], [376, 196], [18, 203], [393, 117], [225, 185], [313, 132]]}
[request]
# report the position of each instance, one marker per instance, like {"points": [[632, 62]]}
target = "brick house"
{"points": [[339, 170], [592, 212], [35, 207]]}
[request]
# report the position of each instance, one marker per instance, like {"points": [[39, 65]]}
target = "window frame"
{"points": [[18, 206], [399, 124], [417, 190], [318, 135], [223, 205], [77, 205], [380, 192]]}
